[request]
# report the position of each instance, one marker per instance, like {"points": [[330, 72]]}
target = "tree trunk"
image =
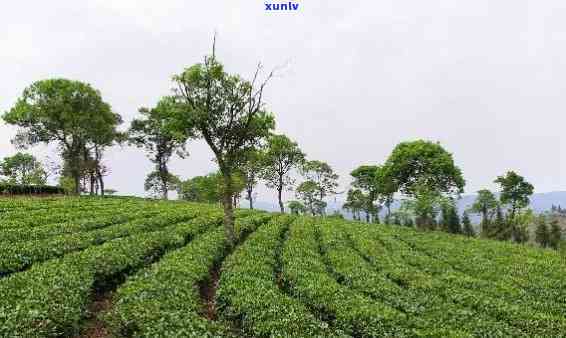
{"points": [[227, 200], [77, 179], [101, 184], [91, 178], [164, 175], [322, 210], [250, 198], [279, 197], [76, 173], [165, 193]]}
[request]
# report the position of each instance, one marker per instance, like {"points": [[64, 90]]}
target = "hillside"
{"points": [[138, 268]]}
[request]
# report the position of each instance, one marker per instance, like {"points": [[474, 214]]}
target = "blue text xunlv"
{"points": [[290, 6]]}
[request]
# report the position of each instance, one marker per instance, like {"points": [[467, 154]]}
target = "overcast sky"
{"points": [[484, 78]]}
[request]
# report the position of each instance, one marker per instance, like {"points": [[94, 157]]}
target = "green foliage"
{"points": [[321, 181], [11, 189], [515, 192], [555, 234], [322, 175], [282, 155], [67, 184], [308, 192], [23, 169], [208, 189], [501, 229], [292, 276], [307, 278], [425, 206], [251, 172], [17, 256], [425, 172], [296, 207], [65, 284], [520, 225], [467, 228], [413, 165], [271, 312], [386, 187], [450, 218], [366, 179], [356, 202], [228, 113], [162, 301], [542, 234], [485, 204], [70, 113], [157, 185], [156, 132]]}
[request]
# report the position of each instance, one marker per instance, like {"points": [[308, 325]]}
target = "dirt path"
{"points": [[93, 326], [208, 286], [207, 290]]}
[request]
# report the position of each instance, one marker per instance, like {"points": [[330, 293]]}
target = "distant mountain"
{"points": [[540, 202]]}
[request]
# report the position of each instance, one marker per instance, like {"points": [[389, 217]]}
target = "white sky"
{"points": [[485, 78]]}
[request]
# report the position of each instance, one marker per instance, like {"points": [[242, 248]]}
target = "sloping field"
{"points": [[119, 267]]}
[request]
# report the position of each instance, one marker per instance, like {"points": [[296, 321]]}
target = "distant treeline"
{"points": [[19, 189]]}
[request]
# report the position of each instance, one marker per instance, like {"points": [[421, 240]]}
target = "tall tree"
{"points": [[251, 172], [385, 188], [542, 235], [356, 201], [23, 169], [485, 204], [296, 207], [308, 193], [450, 217], [426, 205], [500, 229], [413, 164], [365, 179], [515, 194], [70, 113], [228, 113], [425, 171], [103, 138], [155, 181], [555, 236], [323, 176], [155, 132], [467, 228], [282, 155]]}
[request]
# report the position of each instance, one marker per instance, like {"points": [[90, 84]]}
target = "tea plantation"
{"points": [[126, 267]]}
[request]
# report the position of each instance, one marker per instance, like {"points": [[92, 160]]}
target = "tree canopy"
{"points": [[365, 179], [23, 169], [515, 191], [414, 164], [282, 155], [228, 113], [486, 205], [156, 132], [69, 113]]}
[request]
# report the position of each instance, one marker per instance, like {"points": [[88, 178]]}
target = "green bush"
{"points": [[14, 189], [162, 300], [269, 312], [50, 298], [307, 278]]}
